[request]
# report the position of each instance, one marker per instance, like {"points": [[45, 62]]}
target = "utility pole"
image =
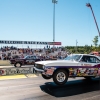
{"points": [[54, 2], [76, 45], [89, 5]]}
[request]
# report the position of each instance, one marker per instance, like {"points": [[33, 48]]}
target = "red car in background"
{"points": [[95, 53], [28, 60]]}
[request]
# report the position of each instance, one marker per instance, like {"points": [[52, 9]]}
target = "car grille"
{"points": [[39, 66]]}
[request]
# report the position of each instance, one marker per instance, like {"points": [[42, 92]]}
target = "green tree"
{"points": [[95, 41]]}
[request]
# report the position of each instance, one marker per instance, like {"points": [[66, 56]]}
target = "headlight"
{"points": [[43, 67], [35, 65]]}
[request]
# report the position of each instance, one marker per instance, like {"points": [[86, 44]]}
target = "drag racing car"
{"points": [[27, 60], [74, 65]]}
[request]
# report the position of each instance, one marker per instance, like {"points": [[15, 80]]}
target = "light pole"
{"points": [[76, 45], [55, 2], [89, 5]]}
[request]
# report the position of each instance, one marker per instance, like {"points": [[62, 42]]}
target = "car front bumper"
{"points": [[47, 71], [38, 71]]}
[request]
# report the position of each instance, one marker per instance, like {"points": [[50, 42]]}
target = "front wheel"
{"points": [[17, 64], [46, 77], [60, 77]]}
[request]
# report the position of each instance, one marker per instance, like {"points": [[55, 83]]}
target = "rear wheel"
{"points": [[60, 77], [46, 77], [17, 64]]}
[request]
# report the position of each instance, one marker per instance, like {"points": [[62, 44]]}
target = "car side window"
{"points": [[28, 57], [90, 59], [84, 59], [94, 60], [33, 57]]}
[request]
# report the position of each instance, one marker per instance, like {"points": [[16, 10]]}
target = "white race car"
{"points": [[74, 65]]}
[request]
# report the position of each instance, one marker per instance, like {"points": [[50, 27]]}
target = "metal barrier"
{"points": [[16, 71]]}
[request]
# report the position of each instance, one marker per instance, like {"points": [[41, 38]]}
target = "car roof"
{"points": [[85, 54], [30, 55]]}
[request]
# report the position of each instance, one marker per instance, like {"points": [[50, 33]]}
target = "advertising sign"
{"points": [[29, 42], [16, 71], [1, 72]]}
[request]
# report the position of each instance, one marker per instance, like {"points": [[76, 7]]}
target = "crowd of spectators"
{"points": [[6, 53]]}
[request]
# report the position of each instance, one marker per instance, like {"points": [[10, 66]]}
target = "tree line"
{"points": [[85, 49]]}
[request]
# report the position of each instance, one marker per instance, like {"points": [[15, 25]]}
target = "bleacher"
{"points": [[10, 52]]}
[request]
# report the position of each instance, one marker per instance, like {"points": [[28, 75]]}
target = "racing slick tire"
{"points": [[17, 64], [46, 77], [60, 77]]}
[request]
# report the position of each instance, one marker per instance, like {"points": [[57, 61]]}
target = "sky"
{"points": [[32, 20]]}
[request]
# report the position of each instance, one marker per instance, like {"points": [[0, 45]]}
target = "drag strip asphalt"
{"points": [[31, 87], [41, 89]]}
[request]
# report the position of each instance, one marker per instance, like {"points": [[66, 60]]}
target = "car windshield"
{"points": [[31, 57], [73, 57], [27, 57]]}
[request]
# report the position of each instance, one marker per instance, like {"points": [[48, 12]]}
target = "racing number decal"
{"points": [[84, 71]]}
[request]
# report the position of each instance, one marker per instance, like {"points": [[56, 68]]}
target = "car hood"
{"points": [[58, 63]]}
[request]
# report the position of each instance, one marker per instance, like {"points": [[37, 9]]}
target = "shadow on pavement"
{"points": [[71, 87]]}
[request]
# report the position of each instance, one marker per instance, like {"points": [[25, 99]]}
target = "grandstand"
{"points": [[7, 53]]}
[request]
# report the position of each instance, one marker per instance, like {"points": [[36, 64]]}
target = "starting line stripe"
{"points": [[17, 76], [31, 75], [12, 77]]}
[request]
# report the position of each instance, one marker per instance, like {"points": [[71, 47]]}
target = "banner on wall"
{"points": [[29, 42]]}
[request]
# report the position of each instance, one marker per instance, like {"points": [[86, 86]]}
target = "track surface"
{"points": [[40, 89]]}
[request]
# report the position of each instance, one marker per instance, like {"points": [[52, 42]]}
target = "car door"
{"points": [[28, 60], [88, 65], [97, 66], [32, 60]]}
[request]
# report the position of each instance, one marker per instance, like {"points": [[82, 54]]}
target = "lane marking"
{"points": [[30, 75], [17, 76], [12, 77]]}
